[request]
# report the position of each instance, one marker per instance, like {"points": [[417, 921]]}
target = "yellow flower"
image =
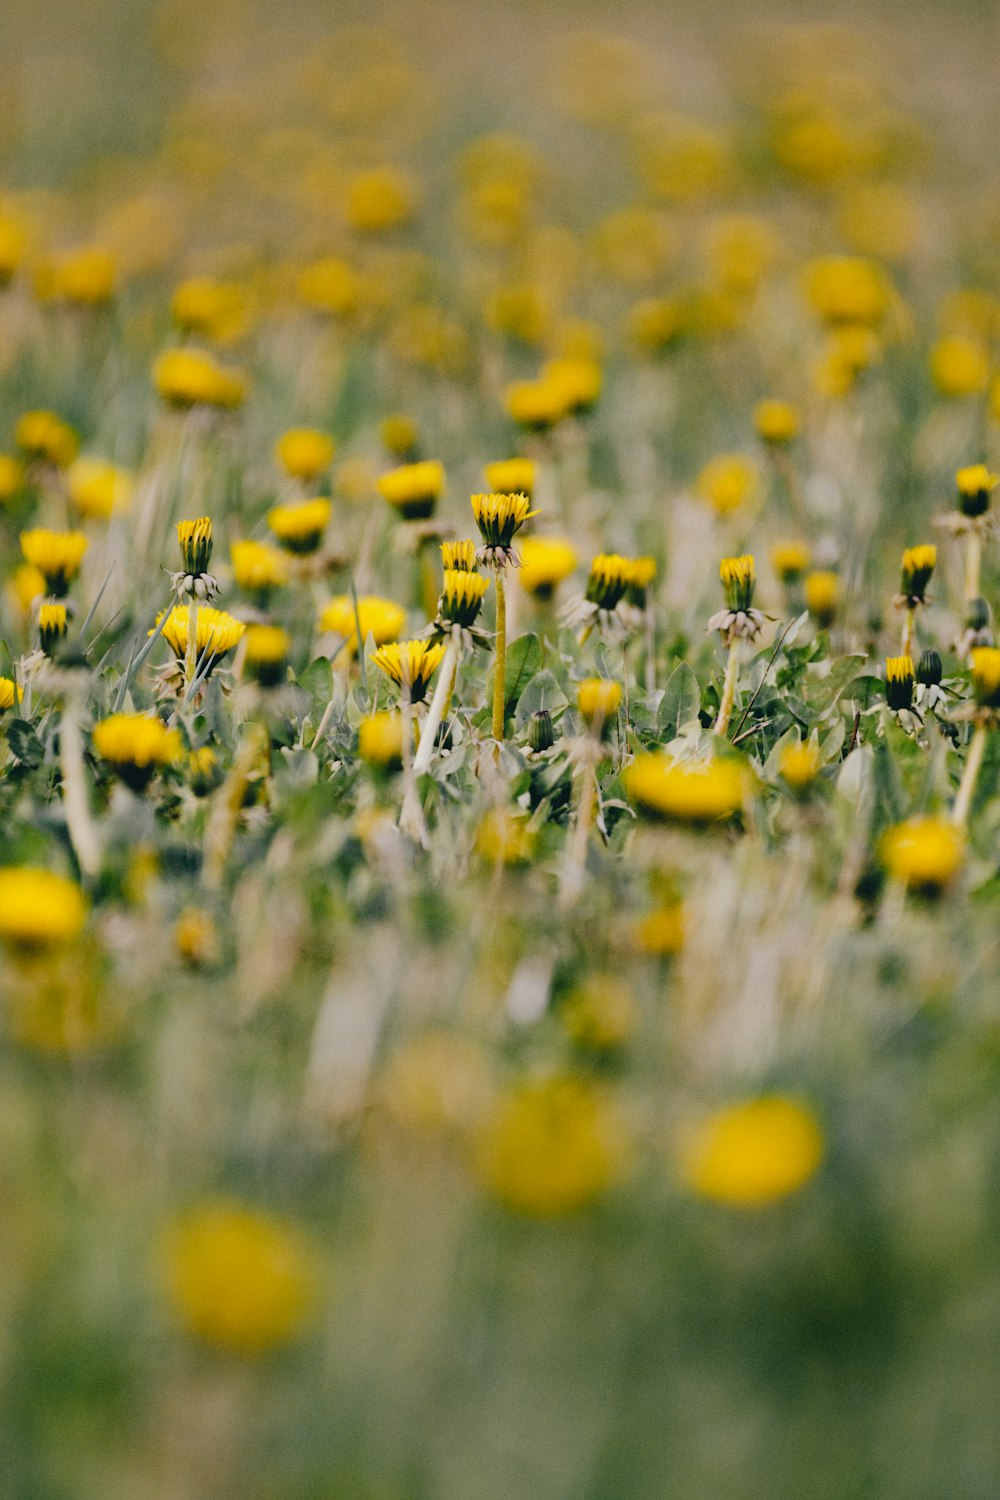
{"points": [[382, 619], [461, 597], [924, 853], [655, 323], [258, 567], [511, 476], [399, 434], [741, 249], [822, 595], [26, 585], [598, 699], [410, 664], [211, 309], [299, 525], [39, 909], [43, 435], [504, 838], [380, 739], [738, 576], [536, 404], [265, 653], [552, 1147], [203, 770], [12, 478], [98, 489], [413, 489], [500, 518], [237, 1278], [800, 765], [579, 380], [687, 792], [437, 1082], [608, 579], [790, 560], [330, 286], [727, 482], [776, 421], [135, 745], [960, 366], [975, 485], [8, 693], [458, 557], [196, 938], [52, 626], [661, 931], [217, 633], [56, 554], [87, 277], [192, 377], [847, 289], [753, 1153], [985, 663], [59, 1004], [379, 200], [545, 562], [304, 452], [917, 566], [195, 541], [899, 680]]}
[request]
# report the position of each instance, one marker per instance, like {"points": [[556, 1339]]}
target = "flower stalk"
{"points": [[970, 775]]}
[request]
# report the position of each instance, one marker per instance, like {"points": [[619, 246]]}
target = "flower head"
{"points": [[304, 452], [400, 436], [985, 663], [753, 1153], [800, 765], [917, 567], [461, 598], [553, 1146], [195, 538], [499, 518], [134, 745], [53, 624], [739, 618], [382, 619], [12, 478], [727, 482], [258, 568], [56, 554], [899, 681], [265, 654], [975, 485], [185, 378], [511, 476], [608, 579], [43, 435], [39, 909], [217, 634], [413, 489], [299, 525], [776, 422], [537, 405], [504, 837], [237, 1278], [686, 792], [8, 693], [99, 490], [924, 853], [790, 561], [598, 699], [822, 595], [380, 740], [545, 562], [411, 665], [210, 309], [459, 557]]}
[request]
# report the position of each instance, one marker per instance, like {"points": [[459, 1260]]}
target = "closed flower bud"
{"points": [[195, 538], [975, 484], [977, 614], [541, 735], [899, 682], [929, 668], [266, 649]]}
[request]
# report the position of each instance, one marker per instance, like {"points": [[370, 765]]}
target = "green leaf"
{"points": [[680, 702], [24, 743], [524, 658], [543, 691]]}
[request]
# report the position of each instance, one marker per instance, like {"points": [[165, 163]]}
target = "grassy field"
{"points": [[499, 755]]}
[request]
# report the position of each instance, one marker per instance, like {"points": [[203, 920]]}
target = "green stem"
{"points": [[973, 761], [191, 657], [729, 688], [973, 558], [500, 670]]}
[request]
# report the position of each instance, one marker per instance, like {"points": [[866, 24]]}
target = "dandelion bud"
{"points": [[822, 596], [986, 676], [458, 557], [790, 561], [977, 614], [52, 626], [598, 699], [899, 682], [608, 580], [461, 598], [918, 565], [541, 735], [975, 484], [195, 539], [266, 654], [929, 668]]}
